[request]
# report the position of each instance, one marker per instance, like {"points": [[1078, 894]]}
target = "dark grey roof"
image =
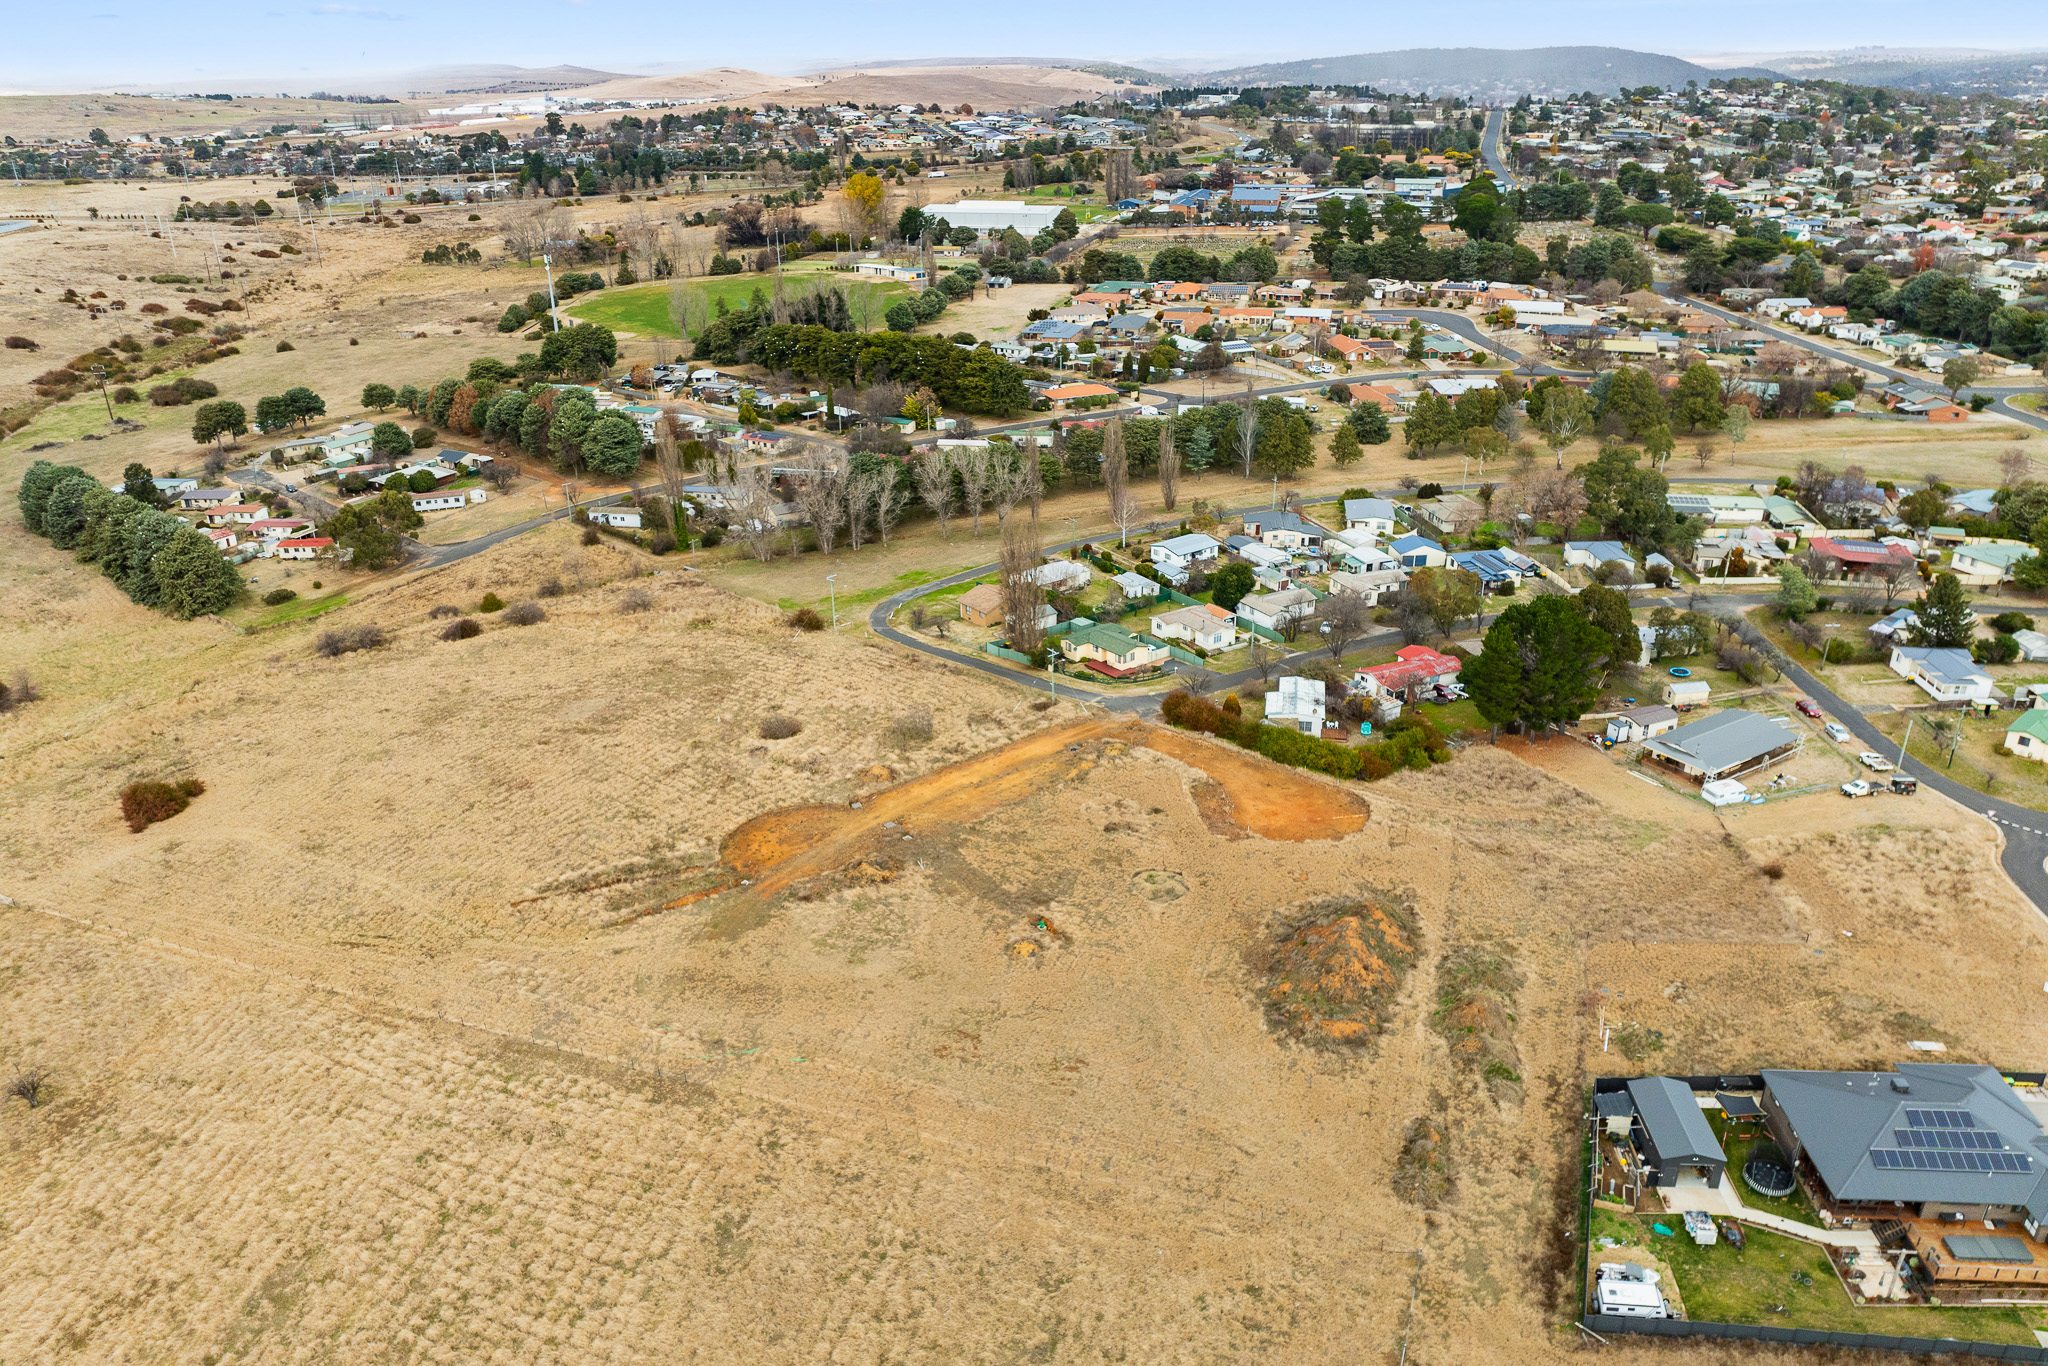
{"points": [[1677, 1129], [1613, 1104], [1723, 741], [1926, 1131]]}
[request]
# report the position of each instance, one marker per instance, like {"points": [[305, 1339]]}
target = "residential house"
{"points": [[1985, 563], [1259, 555], [1370, 584], [1062, 576], [1498, 569], [1899, 625], [1914, 401], [1359, 552], [1686, 693], [1297, 704], [1389, 401], [890, 270], [1590, 555], [1948, 1155], [1176, 554], [622, 519], [1975, 502], [2027, 734], [1944, 673], [1451, 515], [1135, 587], [442, 500], [305, 547], [1419, 552], [1641, 723], [174, 489], [1285, 530], [1857, 559], [1066, 395], [235, 514], [1206, 626], [223, 537], [1412, 668], [982, 605], [2033, 645], [1727, 744], [1375, 516], [1274, 610], [1111, 650], [198, 500]]}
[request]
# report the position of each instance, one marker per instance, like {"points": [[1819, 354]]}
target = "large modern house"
{"points": [[1944, 1158]]}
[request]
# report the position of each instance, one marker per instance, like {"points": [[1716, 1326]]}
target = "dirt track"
{"points": [[779, 848]]}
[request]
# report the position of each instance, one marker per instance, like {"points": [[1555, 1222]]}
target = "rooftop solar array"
{"points": [[1916, 1159], [1941, 1119], [1954, 1139]]}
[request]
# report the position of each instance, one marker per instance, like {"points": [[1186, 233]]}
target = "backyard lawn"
{"points": [[1795, 1206], [1781, 1281]]}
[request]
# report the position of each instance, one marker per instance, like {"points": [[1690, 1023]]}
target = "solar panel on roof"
{"points": [[1947, 1138], [1941, 1119]]}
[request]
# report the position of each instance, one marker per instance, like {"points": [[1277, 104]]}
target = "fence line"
{"points": [[1754, 1332]]}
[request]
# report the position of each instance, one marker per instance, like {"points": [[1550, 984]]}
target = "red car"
{"points": [[1807, 708]]}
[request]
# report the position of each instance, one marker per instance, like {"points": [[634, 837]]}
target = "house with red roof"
{"points": [[305, 547], [1412, 669]]}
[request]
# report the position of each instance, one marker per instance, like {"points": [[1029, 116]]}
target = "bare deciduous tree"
{"points": [[2013, 467], [934, 475], [820, 491], [1116, 480], [975, 465], [1262, 659], [1169, 467], [890, 496], [1346, 615], [753, 514], [1009, 481], [1022, 593], [860, 496], [668, 458], [1247, 428]]}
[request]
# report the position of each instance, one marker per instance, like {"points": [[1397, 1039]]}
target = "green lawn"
{"points": [[643, 309], [1781, 1281], [1795, 1206], [298, 609]]}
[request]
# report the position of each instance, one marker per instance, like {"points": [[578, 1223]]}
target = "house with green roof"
{"points": [[1111, 650], [2026, 735]]}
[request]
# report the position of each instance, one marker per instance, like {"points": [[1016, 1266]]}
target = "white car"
{"points": [[1876, 763], [1837, 732], [1858, 788]]}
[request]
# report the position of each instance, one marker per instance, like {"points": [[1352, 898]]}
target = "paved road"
{"points": [[1998, 393], [2025, 857], [1489, 148]]}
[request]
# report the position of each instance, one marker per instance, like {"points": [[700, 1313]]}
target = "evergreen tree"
{"points": [[1369, 421], [1697, 401], [1541, 665], [1944, 611], [1344, 448], [193, 577], [1796, 596]]}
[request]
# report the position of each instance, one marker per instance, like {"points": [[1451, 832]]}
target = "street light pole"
{"points": [[833, 589]]}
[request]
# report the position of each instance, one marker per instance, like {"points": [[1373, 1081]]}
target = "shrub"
{"points": [[21, 344], [2008, 622], [711, 536], [780, 727], [445, 609], [126, 394], [462, 628], [347, 640], [19, 693], [635, 601], [31, 1084], [422, 437], [551, 589], [525, 614], [805, 619], [590, 536], [491, 603], [662, 544], [286, 346], [913, 727], [144, 804], [278, 597]]}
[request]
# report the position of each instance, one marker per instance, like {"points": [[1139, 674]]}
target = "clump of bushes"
{"points": [[590, 536], [1412, 742], [711, 536], [805, 619], [525, 614], [462, 628], [635, 601], [144, 804], [278, 597], [662, 544], [551, 589], [913, 727], [347, 640], [446, 609], [126, 394], [21, 344], [19, 693], [779, 727], [182, 391], [31, 1084], [491, 603], [283, 345]]}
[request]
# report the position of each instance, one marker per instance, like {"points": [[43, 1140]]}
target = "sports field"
{"points": [[644, 309]]}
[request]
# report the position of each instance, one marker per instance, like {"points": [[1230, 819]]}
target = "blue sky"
{"points": [[180, 44]]}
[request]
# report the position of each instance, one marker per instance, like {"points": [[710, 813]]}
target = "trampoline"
{"points": [[1768, 1172], [1678, 672]]}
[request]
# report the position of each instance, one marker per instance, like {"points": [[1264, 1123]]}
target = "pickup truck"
{"points": [[1876, 763], [1856, 788]]}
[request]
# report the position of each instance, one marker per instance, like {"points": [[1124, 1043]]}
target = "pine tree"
{"points": [[1944, 612], [1344, 448]]}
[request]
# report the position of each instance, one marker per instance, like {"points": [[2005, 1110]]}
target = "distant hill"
{"points": [[1486, 71], [490, 78], [2006, 73]]}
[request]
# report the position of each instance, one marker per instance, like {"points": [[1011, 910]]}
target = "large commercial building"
{"points": [[986, 215]]}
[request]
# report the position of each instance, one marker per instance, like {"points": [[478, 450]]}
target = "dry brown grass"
{"points": [[428, 1036]]}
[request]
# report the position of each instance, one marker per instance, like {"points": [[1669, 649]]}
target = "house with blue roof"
{"points": [[1592, 554], [1496, 569], [1419, 552]]}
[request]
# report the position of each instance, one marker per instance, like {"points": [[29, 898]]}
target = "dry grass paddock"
{"points": [[424, 1036]]}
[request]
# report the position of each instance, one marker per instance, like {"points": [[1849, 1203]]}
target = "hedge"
{"points": [[1411, 742]]}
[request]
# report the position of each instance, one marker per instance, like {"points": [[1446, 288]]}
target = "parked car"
{"points": [[1837, 732], [1856, 788], [1807, 708], [1876, 763]]}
